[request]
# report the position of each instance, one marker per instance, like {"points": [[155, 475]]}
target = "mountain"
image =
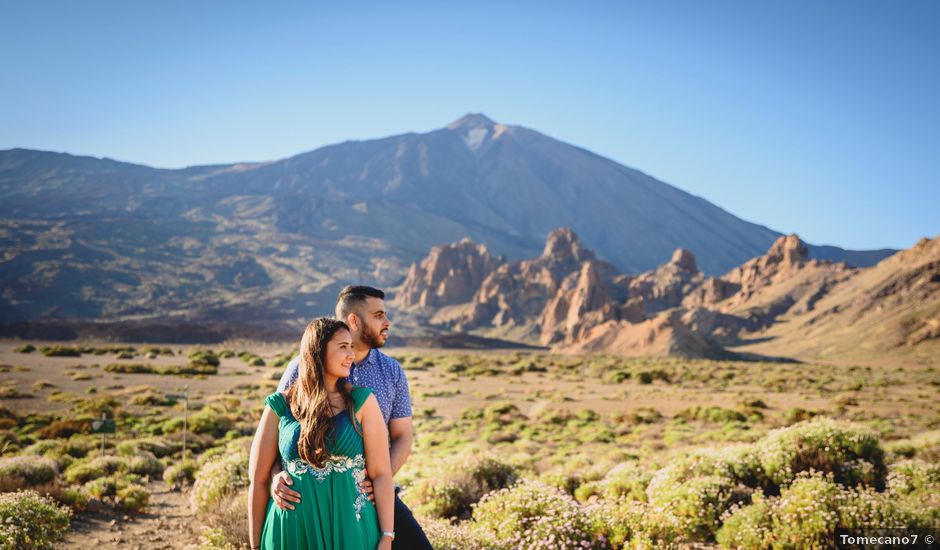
{"points": [[267, 245], [781, 304]]}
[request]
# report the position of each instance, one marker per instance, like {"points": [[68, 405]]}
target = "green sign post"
{"points": [[103, 426], [185, 397]]}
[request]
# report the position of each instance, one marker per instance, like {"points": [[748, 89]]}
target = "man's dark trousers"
{"points": [[408, 534]]}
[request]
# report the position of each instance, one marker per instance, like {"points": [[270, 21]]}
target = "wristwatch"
{"points": [[389, 534]]}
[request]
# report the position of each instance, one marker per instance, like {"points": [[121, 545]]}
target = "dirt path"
{"points": [[167, 523]]}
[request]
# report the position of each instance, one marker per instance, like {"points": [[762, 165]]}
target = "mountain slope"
{"points": [[87, 238]]}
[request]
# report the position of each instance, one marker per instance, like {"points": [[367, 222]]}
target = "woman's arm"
{"points": [[263, 452], [378, 464]]}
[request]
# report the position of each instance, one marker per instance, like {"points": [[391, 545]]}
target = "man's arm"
{"points": [[401, 432]]}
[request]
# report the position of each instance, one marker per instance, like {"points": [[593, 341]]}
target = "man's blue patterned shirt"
{"points": [[378, 372]]}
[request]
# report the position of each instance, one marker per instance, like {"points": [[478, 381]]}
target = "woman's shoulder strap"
{"points": [[359, 396], [278, 403]]}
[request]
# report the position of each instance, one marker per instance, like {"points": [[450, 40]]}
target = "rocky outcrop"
{"points": [[451, 273], [570, 300]]}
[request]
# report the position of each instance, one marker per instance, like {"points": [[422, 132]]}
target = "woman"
{"points": [[322, 427]]}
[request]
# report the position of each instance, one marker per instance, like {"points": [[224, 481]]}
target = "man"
{"points": [[363, 309]]}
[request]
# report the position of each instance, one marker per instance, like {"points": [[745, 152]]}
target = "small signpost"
{"points": [[103, 426], [185, 397]]}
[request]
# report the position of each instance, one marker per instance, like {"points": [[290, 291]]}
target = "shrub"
{"points": [[158, 446], [629, 523], [180, 473], [25, 348], [204, 357], [26, 471], [531, 514], [460, 483], [228, 521], [209, 421], [60, 351], [445, 536], [440, 499], [624, 480], [850, 452], [750, 526], [132, 498], [130, 368], [87, 470], [144, 463], [64, 429], [711, 414], [699, 503], [30, 521], [219, 478]]}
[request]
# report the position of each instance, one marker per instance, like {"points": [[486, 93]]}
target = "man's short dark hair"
{"points": [[352, 297]]}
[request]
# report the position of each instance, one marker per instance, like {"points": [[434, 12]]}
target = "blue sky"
{"points": [[820, 118]]}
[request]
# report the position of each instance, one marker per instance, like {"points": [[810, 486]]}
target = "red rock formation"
{"points": [[450, 274]]}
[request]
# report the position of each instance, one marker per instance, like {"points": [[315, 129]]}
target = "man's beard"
{"points": [[370, 338]]}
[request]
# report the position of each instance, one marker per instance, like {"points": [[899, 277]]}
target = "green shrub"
{"points": [[440, 498], [628, 523], [625, 480], [25, 348], [850, 452], [29, 521], [64, 428], [158, 446], [210, 421], [94, 468], [26, 471], [220, 477], [204, 357], [144, 463], [130, 368], [459, 483], [132, 498], [699, 503], [60, 351], [446, 536], [101, 487], [718, 415], [181, 473], [749, 526], [531, 514]]}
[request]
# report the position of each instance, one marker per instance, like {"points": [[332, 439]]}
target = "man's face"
{"points": [[374, 323]]}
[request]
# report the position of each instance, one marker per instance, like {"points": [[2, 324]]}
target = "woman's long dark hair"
{"points": [[308, 397]]}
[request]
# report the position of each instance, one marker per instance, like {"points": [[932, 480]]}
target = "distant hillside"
{"points": [[268, 244]]}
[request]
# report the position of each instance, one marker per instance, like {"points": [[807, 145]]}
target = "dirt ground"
{"points": [[167, 523]]}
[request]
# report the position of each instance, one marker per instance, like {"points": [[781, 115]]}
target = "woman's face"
{"points": [[339, 354]]}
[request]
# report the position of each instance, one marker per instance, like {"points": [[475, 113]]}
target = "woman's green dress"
{"points": [[333, 513]]}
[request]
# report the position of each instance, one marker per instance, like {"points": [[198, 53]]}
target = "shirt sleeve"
{"points": [[289, 376], [401, 406]]}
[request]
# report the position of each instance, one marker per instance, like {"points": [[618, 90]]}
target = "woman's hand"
{"points": [[385, 543]]}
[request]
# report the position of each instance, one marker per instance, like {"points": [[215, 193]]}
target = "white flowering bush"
{"points": [[29, 521], [624, 480], [222, 476], [530, 515], [849, 452], [626, 523], [699, 504], [444, 535], [808, 512]]}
